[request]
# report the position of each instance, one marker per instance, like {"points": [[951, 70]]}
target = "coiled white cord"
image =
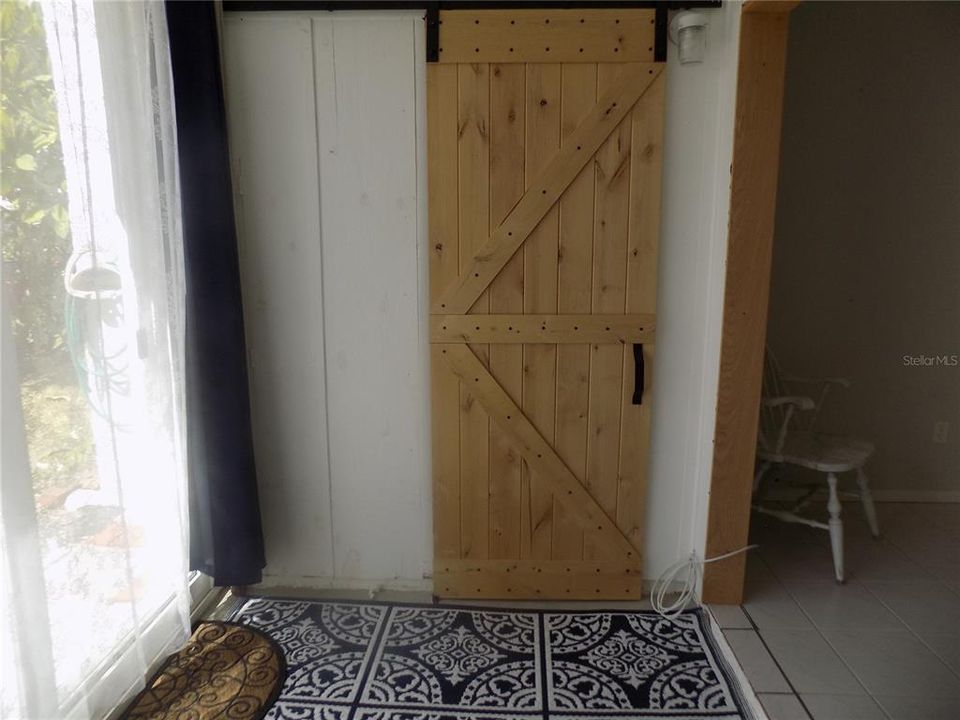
{"points": [[694, 571]]}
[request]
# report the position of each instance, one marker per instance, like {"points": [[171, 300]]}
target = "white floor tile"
{"points": [[758, 666], [936, 552], [945, 644], [922, 707], [843, 707], [829, 604], [884, 645], [768, 603], [948, 574], [870, 560], [730, 617], [922, 606], [800, 563], [893, 663], [810, 663], [783, 707]]}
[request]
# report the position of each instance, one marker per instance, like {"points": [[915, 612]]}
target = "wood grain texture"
{"points": [[548, 35], [370, 241], [540, 296], [537, 453], [574, 282], [643, 236], [769, 6], [473, 121], [271, 65], [612, 198], [536, 579], [543, 328], [444, 267], [534, 331], [756, 152], [545, 189], [507, 113]]}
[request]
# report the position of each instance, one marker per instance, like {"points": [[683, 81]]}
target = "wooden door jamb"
{"points": [[764, 26]]}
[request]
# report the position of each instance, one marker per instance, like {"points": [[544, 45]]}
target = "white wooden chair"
{"points": [[788, 435]]}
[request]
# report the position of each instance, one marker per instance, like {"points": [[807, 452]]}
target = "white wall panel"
{"points": [[324, 111], [367, 100], [272, 127], [698, 151]]}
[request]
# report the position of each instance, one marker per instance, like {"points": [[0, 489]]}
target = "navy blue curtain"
{"points": [[226, 537]]}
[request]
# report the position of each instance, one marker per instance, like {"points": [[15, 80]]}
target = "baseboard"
{"points": [[299, 582], [291, 585], [785, 491]]}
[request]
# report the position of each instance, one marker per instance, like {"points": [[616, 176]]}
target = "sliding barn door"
{"points": [[544, 144]]}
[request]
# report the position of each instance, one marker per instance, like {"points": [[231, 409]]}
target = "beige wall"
{"points": [[867, 251]]}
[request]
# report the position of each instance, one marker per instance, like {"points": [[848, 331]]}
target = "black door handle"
{"points": [[638, 374]]}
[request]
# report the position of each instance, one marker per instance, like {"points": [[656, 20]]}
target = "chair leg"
{"points": [[867, 500], [836, 527]]}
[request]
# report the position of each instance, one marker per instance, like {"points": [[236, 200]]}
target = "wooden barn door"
{"points": [[544, 146]]}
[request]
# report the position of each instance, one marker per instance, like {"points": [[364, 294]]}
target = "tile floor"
{"points": [[883, 646]]}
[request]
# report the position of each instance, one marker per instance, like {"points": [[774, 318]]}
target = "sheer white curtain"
{"points": [[84, 619]]}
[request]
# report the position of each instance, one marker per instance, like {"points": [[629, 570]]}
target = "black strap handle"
{"points": [[638, 374]]}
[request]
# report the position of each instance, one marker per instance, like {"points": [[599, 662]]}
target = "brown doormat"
{"points": [[226, 670]]}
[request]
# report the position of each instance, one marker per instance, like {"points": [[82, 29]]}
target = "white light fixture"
{"points": [[688, 31]]}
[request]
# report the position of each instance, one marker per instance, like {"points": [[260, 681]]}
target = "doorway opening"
{"points": [[854, 475]]}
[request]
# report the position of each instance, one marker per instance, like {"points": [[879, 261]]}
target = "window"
{"points": [[93, 488]]}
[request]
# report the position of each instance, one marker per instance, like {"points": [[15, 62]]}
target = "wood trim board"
{"points": [[756, 154], [543, 328], [546, 35]]}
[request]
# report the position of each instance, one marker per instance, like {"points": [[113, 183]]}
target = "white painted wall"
{"points": [[693, 252], [333, 250]]}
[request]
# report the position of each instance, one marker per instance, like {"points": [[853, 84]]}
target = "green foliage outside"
{"points": [[36, 244], [36, 226]]}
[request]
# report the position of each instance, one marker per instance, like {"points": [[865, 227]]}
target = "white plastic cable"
{"points": [[664, 584]]}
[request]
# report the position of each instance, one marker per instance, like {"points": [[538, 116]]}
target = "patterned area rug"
{"points": [[371, 661], [225, 670]]}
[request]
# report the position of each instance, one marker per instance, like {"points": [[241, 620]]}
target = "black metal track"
{"points": [[274, 5], [660, 21], [433, 9]]}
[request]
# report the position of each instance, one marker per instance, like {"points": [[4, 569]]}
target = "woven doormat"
{"points": [[226, 670], [376, 661]]}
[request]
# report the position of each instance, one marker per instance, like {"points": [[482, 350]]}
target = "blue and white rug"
{"points": [[377, 661]]}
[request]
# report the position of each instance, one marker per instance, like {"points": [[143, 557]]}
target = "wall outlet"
{"points": [[940, 430]]}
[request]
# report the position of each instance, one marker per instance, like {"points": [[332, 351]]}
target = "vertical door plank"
{"points": [[444, 264], [270, 64], [579, 94], [506, 296], [369, 234], [612, 180], [474, 195], [642, 245], [540, 296]]}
